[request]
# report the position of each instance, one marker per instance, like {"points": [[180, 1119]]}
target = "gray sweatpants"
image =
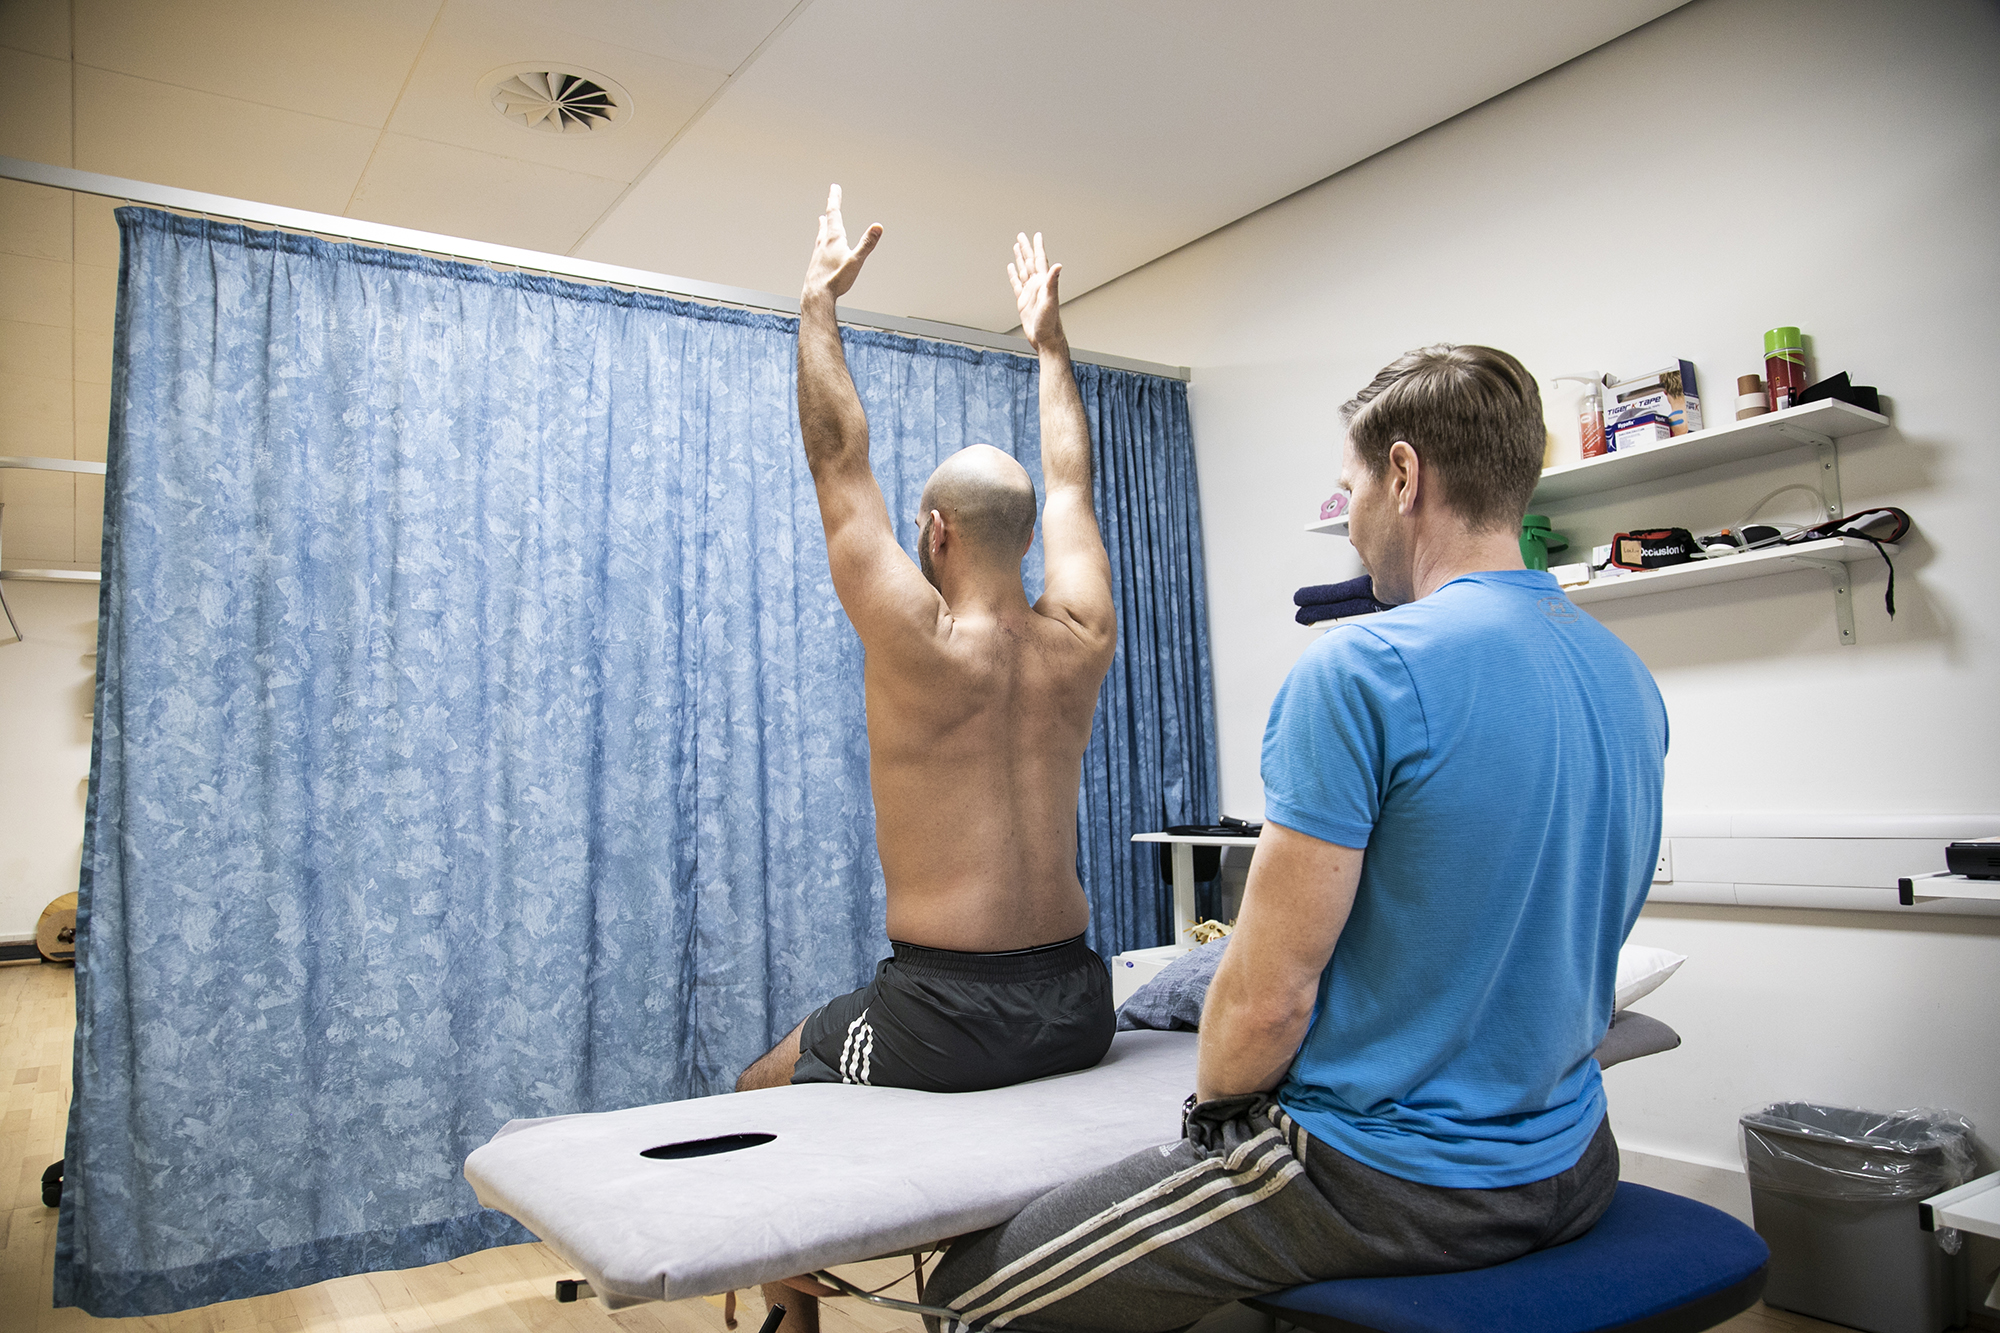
{"points": [[1247, 1203]]}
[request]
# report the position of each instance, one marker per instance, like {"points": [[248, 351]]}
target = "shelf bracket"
{"points": [[1829, 464], [1843, 594]]}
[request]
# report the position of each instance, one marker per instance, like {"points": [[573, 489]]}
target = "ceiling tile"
{"points": [[175, 136], [460, 192], [475, 37], [41, 27], [341, 59], [715, 34], [1146, 125], [36, 125]]}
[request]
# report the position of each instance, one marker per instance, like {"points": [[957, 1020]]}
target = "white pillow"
{"points": [[1641, 970]]}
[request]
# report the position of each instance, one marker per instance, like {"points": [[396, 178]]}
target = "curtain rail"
{"points": [[535, 261]]}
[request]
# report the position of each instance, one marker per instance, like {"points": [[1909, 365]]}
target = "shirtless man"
{"points": [[979, 709]]}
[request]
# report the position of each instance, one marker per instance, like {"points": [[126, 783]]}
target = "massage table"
{"points": [[699, 1197]]}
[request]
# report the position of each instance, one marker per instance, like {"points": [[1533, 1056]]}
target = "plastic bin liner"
{"points": [[1836, 1152]]}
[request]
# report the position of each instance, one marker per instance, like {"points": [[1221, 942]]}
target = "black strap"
{"points": [[1888, 594]]}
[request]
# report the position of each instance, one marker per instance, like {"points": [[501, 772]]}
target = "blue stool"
{"points": [[1654, 1263]]}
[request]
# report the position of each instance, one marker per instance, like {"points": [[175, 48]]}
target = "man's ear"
{"points": [[939, 535], [1405, 476]]}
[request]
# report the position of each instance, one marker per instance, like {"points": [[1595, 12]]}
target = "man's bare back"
{"points": [[979, 705], [979, 709]]}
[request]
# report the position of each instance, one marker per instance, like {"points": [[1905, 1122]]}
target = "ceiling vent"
{"points": [[556, 99]]}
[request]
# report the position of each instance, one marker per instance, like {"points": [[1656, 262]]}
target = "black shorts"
{"points": [[942, 1021]]}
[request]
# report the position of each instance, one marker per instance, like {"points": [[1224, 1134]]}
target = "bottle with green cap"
{"points": [[1784, 366], [1538, 540]]}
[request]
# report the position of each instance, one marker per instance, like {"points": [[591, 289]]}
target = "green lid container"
{"points": [[1786, 339]]}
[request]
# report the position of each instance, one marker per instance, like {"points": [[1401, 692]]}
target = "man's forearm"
{"points": [[831, 419], [1248, 1038], [1065, 429]]}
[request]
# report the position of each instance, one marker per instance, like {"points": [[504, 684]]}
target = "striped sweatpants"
{"points": [[1247, 1203]]}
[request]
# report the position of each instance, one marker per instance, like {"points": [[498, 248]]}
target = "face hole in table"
{"points": [[721, 1143]]}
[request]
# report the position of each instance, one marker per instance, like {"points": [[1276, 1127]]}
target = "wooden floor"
{"points": [[510, 1289]]}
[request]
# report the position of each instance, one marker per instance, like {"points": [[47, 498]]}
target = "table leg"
{"points": [[1184, 916]]}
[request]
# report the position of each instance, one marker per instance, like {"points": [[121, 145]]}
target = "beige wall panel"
{"points": [[38, 521], [34, 221], [93, 357], [38, 26], [96, 293], [35, 291], [93, 419], [89, 521], [96, 231], [172, 136], [341, 59], [38, 421], [36, 124], [34, 351]]}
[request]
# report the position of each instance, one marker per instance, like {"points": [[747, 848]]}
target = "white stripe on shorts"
{"points": [[1257, 1169], [856, 1050]]}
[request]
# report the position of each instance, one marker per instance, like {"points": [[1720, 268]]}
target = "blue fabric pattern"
{"points": [[478, 735]]}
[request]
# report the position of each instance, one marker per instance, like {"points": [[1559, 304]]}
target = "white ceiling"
{"points": [[1121, 128]]}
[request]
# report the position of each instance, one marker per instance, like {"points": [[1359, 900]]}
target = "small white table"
{"points": [[1973, 1206], [1183, 854]]}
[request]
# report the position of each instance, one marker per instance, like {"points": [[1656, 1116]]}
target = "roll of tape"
{"points": [[1752, 405]]}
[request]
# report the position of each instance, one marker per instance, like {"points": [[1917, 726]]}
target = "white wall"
{"points": [[45, 684], [1834, 166]]}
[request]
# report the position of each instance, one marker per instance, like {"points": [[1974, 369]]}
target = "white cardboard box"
{"points": [[1135, 967]]}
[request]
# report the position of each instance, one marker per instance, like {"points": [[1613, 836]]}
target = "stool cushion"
{"points": [[1652, 1255]]}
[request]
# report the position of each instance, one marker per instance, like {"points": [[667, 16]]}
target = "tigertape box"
{"points": [[1668, 393]]}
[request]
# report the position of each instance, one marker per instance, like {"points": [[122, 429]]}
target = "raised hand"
{"points": [[1034, 280], [835, 264]]}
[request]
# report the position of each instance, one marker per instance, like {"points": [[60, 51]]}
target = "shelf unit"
{"points": [[46, 575], [1914, 889], [1817, 425]]}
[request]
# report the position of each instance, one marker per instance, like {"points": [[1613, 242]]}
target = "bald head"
{"points": [[988, 499]]}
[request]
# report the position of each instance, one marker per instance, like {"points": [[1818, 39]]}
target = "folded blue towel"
{"points": [[1325, 594], [1313, 615]]}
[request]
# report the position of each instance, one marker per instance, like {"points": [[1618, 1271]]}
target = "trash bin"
{"points": [[1834, 1193]]}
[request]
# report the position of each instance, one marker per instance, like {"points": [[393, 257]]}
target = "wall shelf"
{"points": [[45, 575], [55, 465], [1828, 556], [1815, 424], [52, 575]]}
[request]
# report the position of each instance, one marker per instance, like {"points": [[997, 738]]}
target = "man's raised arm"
{"points": [[1077, 586], [877, 583]]}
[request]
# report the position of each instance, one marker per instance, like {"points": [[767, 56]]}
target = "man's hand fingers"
{"points": [[1055, 271], [868, 239], [1014, 276], [833, 198], [1041, 259]]}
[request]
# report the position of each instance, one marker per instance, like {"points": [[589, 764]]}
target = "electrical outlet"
{"points": [[1663, 873]]}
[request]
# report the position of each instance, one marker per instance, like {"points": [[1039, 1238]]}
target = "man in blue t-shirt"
{"points": [[1462, 794]]}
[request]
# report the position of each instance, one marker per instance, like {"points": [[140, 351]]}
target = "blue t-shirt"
{"points": [[1500, 755]]}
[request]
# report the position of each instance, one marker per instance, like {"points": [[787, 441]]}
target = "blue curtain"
{"points": [[479, 737]]}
